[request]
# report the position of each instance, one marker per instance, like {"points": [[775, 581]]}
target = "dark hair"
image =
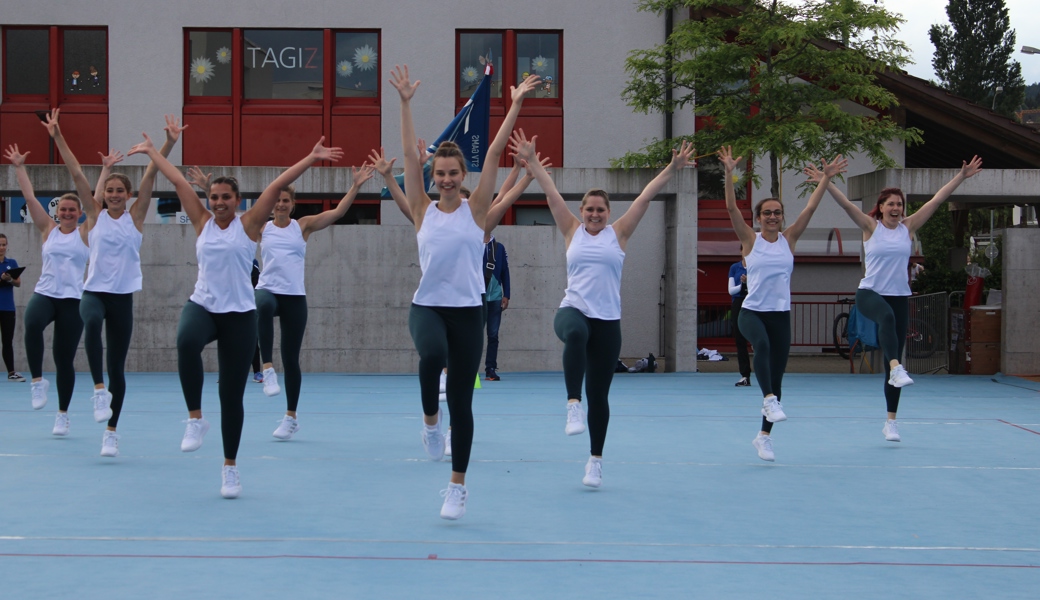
{"points": [[291, 190], [450, 150], [758, 207], [595, 192], [885, 193], [464, 191], [231, 181], [3, 236]]}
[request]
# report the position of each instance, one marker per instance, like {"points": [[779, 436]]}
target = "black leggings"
{"points": [[591, 348], [892, 314], [743, 359], [68, 326], [770, 337], [292, 310], [7, 335], [235, 334], [450, 337], [116, 311]]}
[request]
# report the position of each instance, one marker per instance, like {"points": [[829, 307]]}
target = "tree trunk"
{"points": [[774, 177]]}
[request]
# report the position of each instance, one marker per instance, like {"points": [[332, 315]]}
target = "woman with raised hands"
{"points": [[280, 291], [884, 290], [223, 305], [115, 232], [446, 319], [57, 294], [765, 317], [589, 319]]}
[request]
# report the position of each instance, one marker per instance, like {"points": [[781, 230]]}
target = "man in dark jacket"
{"points": [[496, 276]]}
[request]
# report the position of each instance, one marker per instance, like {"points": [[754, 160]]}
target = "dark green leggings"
{"points": [[292, 310], [770, 337], [591, 348], [235, 334], [450, 337], [116, 311], [892, 315], [68, 326]]}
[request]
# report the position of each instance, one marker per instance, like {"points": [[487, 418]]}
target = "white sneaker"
{"points": [[575, 419], [110, 444], [271, 387], [447, 443], [39, 393], [454, 502], [193, 434], [899, 377], [891, 431], [61, 424], [433, 440], [593, 472], [286, 428], [764, 445], [771, 410], [231, 485], [102, 401]]}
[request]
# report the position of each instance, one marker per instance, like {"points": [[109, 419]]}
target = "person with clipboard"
{"points": [[10, 278]]}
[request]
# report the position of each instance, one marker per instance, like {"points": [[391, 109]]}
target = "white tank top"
{"points": [[594, 265], [225, 258], [283, 252], [451, 247], [769, 268], [887, 258], [115, 255], [64, 258]]}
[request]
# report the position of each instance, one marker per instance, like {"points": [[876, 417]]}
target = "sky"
{"points": [[922, 14]]}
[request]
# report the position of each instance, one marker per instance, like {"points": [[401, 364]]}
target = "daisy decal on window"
{"points": [[539, 64], [201, 70], [344, 68], [470, 74], [365, 58], [224, 55]]}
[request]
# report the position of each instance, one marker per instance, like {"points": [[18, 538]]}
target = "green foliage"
{"points": [[973, 55], [1032, 96], [936, 238], [745, 66]]}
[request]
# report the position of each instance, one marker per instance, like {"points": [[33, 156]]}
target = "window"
{"points": [[55, 67], [539, 54], [474, 51], [259, 96], [362, 212]]}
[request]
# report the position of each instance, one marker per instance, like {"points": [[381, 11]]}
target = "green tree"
{"points": [[745, 64], [973, 55]]}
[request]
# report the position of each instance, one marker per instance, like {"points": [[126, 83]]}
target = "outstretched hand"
{"points": [[114, 156], [517, 93], [683, 156], [322, 153], [424, 155], [362, 174], [17, 158], [199, 179], [838, 165], [727, 160], [143, 148], [382, 166], [50, 123], [970, 169], [521, 146], [814, 174], [402, 83], [173, 128]]}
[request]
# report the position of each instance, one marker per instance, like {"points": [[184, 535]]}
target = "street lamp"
{"points": [[996, 93], [1030, 50]]}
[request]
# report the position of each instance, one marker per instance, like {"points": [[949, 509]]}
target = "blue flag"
{"points": [[469, 129]]}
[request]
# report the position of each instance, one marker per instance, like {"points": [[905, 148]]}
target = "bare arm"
{"points": [[510, 180], [860, 218], [313, 223], [565, 219], [744, 232], [796, 229], [919, 218], [386, 168], [107, 162], [516, 189], [139, 210], [40, 218], [416, 195], [190, 201], [626, 225], [73, 166]]}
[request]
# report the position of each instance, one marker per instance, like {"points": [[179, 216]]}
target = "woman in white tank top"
{"points": [[57, 293], [280, 291], [114, 272], [589, 319], [883, 292], [765, 317], [446, 316], [223, 307]]}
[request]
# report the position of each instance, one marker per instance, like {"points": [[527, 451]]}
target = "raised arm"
{"points": [[919, 218], [860, 218], [139, 209], [626, 225], [386, 168], [796, 229], [510, 180], [39, 215], [73, 166], [254, 219], [415, 192], [113, 158], [190, 201], [745, 233], [565, 219], [312, 223], [515, 190], [480, 200]]}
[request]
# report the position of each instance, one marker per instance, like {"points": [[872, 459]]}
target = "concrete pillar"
{"points": [[680, 330], [1020, 354]]}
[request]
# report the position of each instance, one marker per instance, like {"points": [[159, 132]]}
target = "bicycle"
{"points": [[841, 330]]}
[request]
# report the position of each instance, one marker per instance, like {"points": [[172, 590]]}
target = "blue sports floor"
{"points": [[349, 508]]}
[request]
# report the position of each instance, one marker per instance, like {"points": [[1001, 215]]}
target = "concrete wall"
{"points": [[1020, 353]]}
